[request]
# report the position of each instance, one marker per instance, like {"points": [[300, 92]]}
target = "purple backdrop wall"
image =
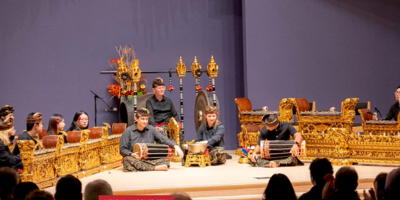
{"points": [[324, 51], [51, 53]]}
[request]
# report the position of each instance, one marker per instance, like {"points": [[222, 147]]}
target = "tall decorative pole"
{"points": [[196, 66], [181, 71], [212, 71], [135, 75]]}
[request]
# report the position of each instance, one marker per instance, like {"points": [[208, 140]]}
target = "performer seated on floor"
{"points": [[141, 132], [276, 130], [34, 126], [394, 109], [80, 121], [56, 126], [161, 107], [6, 111], [7, 159], [212, 133]]}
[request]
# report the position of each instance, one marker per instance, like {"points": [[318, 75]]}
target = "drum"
{"points": [[276, 149], [153, 151]]}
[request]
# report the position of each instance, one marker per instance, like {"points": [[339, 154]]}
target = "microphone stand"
{"points": [[95, 106], [376, 109]]}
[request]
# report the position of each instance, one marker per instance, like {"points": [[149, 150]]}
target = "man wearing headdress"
{"points": [[7, 159], [277, 130], [6, 111], [141, 132], [34, 126], [212, 133], [161, 108]]}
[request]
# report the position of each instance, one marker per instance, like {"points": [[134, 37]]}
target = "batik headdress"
{"points": [[142, 112], [36, 118], [5, 110], [158, 82], [7, 123]]}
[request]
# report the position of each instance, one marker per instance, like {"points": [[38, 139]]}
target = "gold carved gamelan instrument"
{"points": [[153, 151], [276, 149]]}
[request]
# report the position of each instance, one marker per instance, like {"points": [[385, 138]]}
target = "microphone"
{"points": [[376, 109], [111, 109]]}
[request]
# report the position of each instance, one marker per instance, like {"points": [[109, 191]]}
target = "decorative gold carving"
{"points": [[379, 128], [286, 109], [135, 71], [332, 144], [195, 66], [254, 117], [212, 68], [46, 166], [322, 123], [181, 68], [246, 139], [121, 68], [173, 133], [201, 160], [328, 136]]}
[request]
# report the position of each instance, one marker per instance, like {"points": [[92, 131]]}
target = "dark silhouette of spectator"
{"points": [[343, 187], [39, 195], [23, 189], [279, 187], [392, 186], [179, 195], [318, 169], [68, 188], [377, 193], [96, 188], [8, 180]]}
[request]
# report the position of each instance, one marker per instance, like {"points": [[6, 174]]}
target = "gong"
{"points": [[202, 100], [126, 111]]}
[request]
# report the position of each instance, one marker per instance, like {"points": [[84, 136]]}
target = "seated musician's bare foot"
{"points": [[273, 164], [161, 168]]}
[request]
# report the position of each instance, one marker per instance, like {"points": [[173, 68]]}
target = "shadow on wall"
{"points": [[380, 12]]}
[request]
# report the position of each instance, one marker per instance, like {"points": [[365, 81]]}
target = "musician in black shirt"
{"points": [[34, 126], [276, 130], [141, 132], [161, 108], [394, 109]]}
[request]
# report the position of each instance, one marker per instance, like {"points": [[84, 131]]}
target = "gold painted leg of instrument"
{"points": [[201, 160]]}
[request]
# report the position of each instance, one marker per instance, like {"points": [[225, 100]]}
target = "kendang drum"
{"points": [[153, 151], [276, 149]]}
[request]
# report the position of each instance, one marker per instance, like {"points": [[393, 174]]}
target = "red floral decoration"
{"points": [[199, 88], [127, 93], [170, 88], [79, 118], [58, 121], [114, 89], [209, 88], [114, 60]]}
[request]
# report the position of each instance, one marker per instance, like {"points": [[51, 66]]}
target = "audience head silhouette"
{"points": [[68, 187], [96, 188], [8, 180], [318, 169], [279, 187], [23, 189]]}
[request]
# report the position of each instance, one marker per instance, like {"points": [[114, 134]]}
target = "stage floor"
{"points": [[228, 177]]}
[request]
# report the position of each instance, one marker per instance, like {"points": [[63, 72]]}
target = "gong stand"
{"points": [[134, 98]]}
